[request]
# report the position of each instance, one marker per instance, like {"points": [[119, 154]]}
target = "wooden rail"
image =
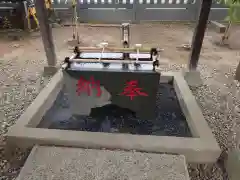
{"points": [[117, 50], [109, 61], [64, 66]]}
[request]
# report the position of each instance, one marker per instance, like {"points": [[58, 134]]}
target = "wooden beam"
{"points": [[110, 61], [220, 28], [118, 61], [92, 25], [198, 36], [116, 50], [46, 33]]}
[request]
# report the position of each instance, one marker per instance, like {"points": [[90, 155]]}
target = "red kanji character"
{"points": [[85, 86], [132, 90]]}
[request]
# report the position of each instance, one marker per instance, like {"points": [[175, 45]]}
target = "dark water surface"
{"points": [[169, 121]]}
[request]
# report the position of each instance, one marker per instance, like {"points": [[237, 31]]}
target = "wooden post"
{"points": [[199, 33], [24, 15], [47, 37], [237, 75]]}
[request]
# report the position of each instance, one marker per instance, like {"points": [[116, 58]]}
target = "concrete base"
{"points": [[50, 70], [233, 165], [217, 40], [233, 40], [193, 78], [74, 163], [201, 148]]}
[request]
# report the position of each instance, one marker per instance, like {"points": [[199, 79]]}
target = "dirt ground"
{"points": [[21, 79], [166, 36]]}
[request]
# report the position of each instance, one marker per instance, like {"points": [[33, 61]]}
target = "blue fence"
{"points": [[115, 11]]}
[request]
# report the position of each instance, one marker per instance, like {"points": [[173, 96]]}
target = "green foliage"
{"points": [[233, 11]]}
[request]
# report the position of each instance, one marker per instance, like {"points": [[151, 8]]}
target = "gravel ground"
{"points": [[21, 80]]}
